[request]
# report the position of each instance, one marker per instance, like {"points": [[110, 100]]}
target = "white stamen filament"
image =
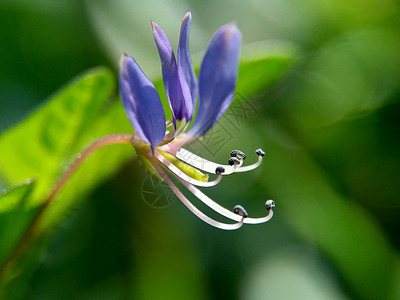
{"points": [[199, 162], [251, 167], [184, 176], [220, 209], [193, 208]]}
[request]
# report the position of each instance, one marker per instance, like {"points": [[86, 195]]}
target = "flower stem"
{"points": [[29, 231]]}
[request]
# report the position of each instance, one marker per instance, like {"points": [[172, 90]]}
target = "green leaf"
{"points": [[13, 216], [41, 145], [38, 146]]}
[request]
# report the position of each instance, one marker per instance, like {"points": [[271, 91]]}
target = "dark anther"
{"points": [[239, 210], [233, 161], [238, 153], [219, 170], [269, 204], [260, 152]]}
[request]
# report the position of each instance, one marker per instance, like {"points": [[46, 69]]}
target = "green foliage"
{"points": [[38, 146], [43, 144], [13, 216]]}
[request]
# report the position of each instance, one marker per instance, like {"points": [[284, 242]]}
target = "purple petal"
{"points": [[141, 102], [184, 60], [217, 78], [176, 88]]}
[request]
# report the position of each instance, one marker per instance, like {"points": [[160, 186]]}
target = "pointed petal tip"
{"points": [[217, 78], [231, 28], [154, 25], [157, 31], [186, 20], [125, 59], [122, 60], [230, 32], [187, 16]]}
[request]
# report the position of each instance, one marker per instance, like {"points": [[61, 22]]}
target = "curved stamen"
{"points": [[193, 208], [186, 177], [269, 205], [251, 167], [222, 210], [239, 210], [199, 162]]}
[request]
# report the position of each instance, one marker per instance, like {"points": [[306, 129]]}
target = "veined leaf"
{"points": [[14, 216], [38, 146]]}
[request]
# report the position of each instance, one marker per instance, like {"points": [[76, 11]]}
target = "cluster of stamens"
{"points": [[166, 158]]}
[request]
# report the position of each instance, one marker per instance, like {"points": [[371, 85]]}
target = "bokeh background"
{"points": [[329, 126]]}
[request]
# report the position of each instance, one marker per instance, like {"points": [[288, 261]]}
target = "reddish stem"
{"points": [[107, 140]]}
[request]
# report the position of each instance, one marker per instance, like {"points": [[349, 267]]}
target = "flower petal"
{"points": [[141, 102], [176, 88], [217, 78], [184, 60]]}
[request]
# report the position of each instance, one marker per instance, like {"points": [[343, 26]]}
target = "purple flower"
{"points": [[160, 141]]}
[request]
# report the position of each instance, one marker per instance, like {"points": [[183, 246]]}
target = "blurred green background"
{"points": [[320, 81]]}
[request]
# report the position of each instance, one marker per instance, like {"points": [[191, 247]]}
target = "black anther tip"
{"points": [[233, 161], [219, 170], [269, 204], [239, 154], [260, 152], [239, 210]]}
